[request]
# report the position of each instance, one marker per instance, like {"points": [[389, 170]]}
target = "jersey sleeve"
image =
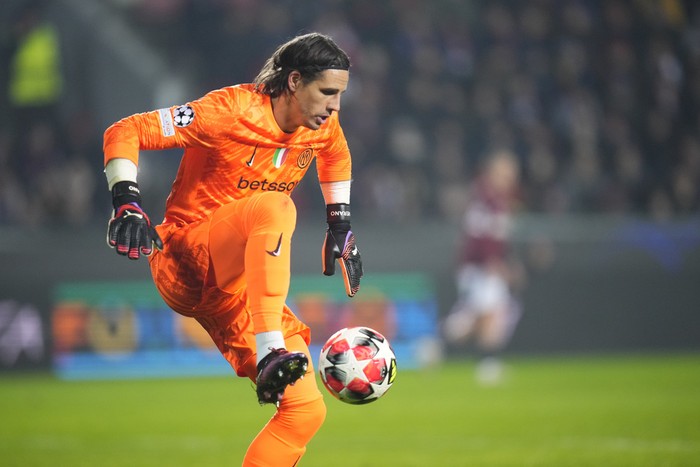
{"points": [[334, 163], [198, 123]]}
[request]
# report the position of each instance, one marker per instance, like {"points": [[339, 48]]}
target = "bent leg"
{"points": [[250, 242], [268, 259], [302, 411]]}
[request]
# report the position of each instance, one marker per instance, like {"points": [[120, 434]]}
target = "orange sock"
{"points": [[272, 219], [268, 278]]}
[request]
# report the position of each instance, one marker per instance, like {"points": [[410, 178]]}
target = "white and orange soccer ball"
{"points": [[357, 365]]}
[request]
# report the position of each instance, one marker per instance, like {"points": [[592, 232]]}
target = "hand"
{"points": [[339, 244], [130, 231]]}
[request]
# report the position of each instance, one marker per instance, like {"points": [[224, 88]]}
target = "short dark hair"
{"points": [[309, 54]]}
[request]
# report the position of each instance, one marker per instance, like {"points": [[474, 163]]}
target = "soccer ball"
{"points": [[357, 365]]}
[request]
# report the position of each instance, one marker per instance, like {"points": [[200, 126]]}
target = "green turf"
{"points": [[593, 411]]}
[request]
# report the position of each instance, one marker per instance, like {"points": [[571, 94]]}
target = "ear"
{"points": [[293, 80]]}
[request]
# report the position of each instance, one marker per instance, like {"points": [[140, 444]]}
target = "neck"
{"points": [[282, 114]]}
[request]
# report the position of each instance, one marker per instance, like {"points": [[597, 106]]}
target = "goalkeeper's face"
{"points": [[315, 101]]}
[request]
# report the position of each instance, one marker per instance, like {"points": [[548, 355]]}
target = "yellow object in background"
{"points": [[35, 72]]}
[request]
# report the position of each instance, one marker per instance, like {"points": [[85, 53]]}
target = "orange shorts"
{"points": [[184, 274]]}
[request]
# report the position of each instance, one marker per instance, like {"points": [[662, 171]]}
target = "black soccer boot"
{"points": [[276, 371]]}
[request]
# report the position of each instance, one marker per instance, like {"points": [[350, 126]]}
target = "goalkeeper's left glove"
{"points": [[339, 245], [130, 230]]}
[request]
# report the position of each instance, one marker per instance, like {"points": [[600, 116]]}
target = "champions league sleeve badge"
{"points": [[183, 116]]}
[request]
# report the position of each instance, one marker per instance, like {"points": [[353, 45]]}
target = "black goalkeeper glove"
{"points": [[339, 244], [130, 231]]}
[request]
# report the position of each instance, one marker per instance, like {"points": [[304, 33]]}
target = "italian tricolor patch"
{"points": [[279, 157]]}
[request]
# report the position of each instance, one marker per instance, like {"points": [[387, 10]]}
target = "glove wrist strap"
{"points": [[337, 213], [125, 192]]}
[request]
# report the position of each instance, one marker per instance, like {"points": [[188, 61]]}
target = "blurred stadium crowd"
{"points": [[599, 100]]}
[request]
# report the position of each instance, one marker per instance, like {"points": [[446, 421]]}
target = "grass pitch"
{"points": [[573, 411]]}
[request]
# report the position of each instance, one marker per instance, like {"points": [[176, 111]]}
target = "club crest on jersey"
{"points": [[183, 116], [305, 158]]}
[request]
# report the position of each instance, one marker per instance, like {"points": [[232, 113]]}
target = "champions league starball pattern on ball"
{"points": [[183, 116], [357, 365]]}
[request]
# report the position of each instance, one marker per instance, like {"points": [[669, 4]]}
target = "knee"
{"points": [[318, 414], [277, 204], [306, 418], [277, 208], [283, 440], [314, 414]]}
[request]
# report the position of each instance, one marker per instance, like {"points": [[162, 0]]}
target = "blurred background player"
{"points": [[486, 310], [222, 252]]}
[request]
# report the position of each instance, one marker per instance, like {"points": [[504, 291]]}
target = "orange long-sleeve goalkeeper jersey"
{"points": [[233, 148]]}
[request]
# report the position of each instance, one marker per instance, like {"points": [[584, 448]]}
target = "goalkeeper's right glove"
{"points": [[130, 231], [339, 244]]}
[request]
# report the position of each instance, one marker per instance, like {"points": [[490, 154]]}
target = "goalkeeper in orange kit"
{"points": [[222, 253]]}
